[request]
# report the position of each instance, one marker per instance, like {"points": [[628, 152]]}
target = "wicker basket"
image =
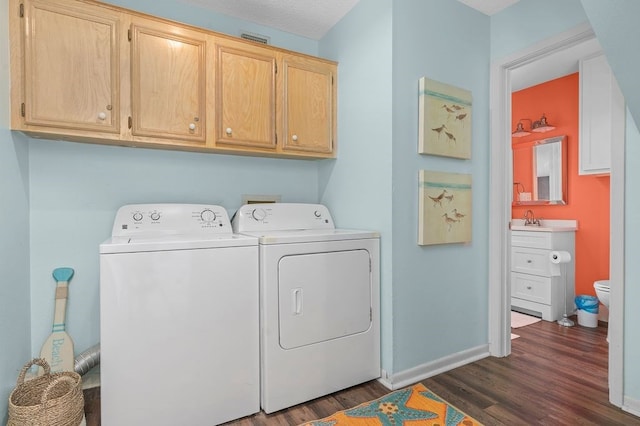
{"points": [[52, 399]]}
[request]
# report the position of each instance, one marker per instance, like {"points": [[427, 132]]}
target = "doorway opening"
{"points": [[501, 201]]}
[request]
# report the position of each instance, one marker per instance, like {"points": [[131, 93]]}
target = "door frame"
{"points": [[500, 200]]}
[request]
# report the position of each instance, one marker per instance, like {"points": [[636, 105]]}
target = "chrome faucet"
{"points": [[530, 219]]}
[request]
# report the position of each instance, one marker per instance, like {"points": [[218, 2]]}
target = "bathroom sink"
{"points": [[546, 225]]}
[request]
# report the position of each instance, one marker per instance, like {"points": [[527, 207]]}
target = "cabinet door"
{"points": [[71, 66], [245, 95], [309, 105], [167, 81], [602, 115]]}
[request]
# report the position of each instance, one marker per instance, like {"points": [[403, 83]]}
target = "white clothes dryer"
{"points": [[319, 302], [178, 318]]}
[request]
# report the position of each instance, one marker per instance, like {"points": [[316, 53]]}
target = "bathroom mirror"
{"points": [[540, 171]]}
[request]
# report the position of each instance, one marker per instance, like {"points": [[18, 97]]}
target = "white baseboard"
{"points": [[430, 369], [631, 406]]}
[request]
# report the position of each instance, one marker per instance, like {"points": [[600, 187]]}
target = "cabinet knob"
{"points": [[529, 260], [228, 130], [294, 137], [528, 287], [192, 126], [102, 116]]}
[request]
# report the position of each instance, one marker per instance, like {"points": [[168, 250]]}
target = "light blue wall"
{"points": [[15, 328], [180, 11], [529, 21], [384, 48], [615, 23], [75, 190], [357, 185], [440, 308]]}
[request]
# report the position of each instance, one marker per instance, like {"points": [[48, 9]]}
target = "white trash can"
{"points": [[587, 310], [587, 319]]}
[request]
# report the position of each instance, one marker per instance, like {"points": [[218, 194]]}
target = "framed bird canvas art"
{"points": [[444, 115], [444, 208]]}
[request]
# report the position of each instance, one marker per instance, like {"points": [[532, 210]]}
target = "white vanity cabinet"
{"points": [[533, 287], [602, 115]]}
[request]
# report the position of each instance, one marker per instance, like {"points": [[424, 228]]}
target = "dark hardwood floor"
{"points": [[554, 376]]}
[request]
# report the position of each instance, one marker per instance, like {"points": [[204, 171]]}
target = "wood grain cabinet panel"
{"points": [[309, 105], [245, 95], [71, 67], [168, 81], [87, 71]]}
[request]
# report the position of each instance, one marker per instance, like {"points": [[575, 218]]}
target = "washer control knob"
{"points": [[259, 214], [317, 213], [137, 216], [207, 215], [155, 216]]}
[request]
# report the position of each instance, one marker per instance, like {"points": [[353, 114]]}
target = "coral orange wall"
{"points": [[588, 196]]}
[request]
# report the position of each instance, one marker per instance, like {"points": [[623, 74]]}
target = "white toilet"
{"points": [[602, 291]]}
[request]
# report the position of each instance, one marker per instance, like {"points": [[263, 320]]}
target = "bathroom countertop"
{"points": [[546, 225]]}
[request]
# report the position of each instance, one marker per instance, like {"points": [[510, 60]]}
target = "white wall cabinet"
{"points": [[533, 287], [602, 115]]}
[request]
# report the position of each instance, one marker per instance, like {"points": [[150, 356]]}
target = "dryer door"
{"points": [[323, 296]]}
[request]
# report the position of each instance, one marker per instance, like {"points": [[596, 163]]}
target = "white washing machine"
{"points": [[178, 318], [319, 302]]}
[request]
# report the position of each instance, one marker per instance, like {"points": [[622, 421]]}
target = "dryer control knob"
{"points": [[155, 216], [207, 215], [258, 214]]}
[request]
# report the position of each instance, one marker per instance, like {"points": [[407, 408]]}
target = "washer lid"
{"points": [[135, 244], [312, 235]]}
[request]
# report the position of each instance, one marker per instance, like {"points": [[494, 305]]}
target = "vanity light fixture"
{"points": [[520, 131], [542, 125], [539, 126]]}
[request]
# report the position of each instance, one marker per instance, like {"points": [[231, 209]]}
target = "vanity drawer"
{"points": [[530, 261], [531, 239], [531, 287]]}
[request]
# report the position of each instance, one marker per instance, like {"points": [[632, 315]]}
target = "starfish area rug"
{"points": [[415, 405]]}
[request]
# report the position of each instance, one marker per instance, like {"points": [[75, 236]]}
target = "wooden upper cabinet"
{"points": [[309, 105], [71, 68], [245, 95], [88, 71], [168, 81]]}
